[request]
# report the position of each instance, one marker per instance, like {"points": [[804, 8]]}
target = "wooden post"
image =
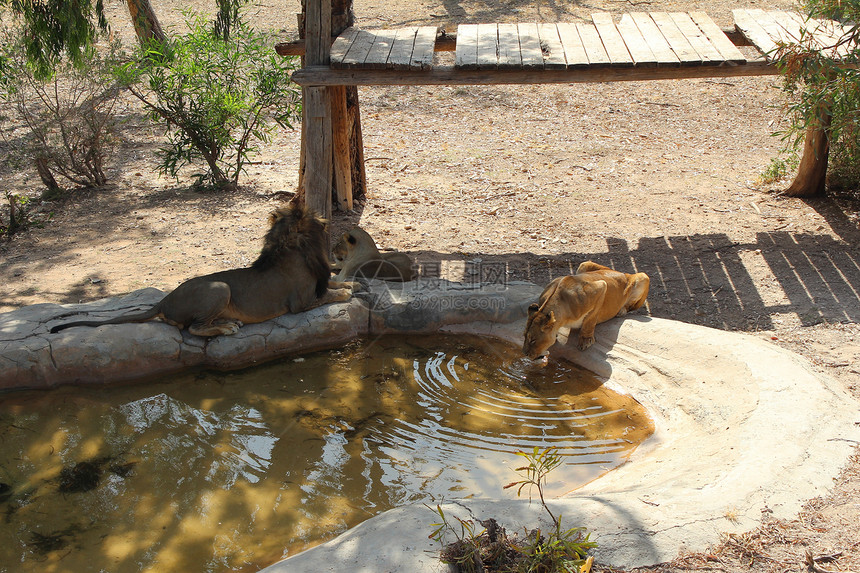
{"points": [[350, 157], [356, 144], [349, 180], [316, 119], [316, 123], [340, 147]]}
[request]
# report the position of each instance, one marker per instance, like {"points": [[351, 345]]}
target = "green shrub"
{"points": [[844, 167], [20, 215], [818, 86], [779, 168], [70, 116], [217, 99]]}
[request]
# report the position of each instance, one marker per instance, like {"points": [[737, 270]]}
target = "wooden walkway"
{"points": [[634, 46], [768, 30], [638, 39], [400, 49]]}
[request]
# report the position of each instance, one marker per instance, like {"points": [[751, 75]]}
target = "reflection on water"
{"points": [[231, 472]]}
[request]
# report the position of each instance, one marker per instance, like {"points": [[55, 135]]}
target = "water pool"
{"points": [[214, 471]]}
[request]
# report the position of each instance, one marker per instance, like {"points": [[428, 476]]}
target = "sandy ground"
{"points": [[529, 181]]}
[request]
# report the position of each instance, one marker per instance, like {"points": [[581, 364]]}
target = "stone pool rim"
{"points": [[742, 426]]}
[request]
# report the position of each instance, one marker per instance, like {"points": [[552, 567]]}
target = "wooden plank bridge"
{"points": [[629, 47], [634, 46]]}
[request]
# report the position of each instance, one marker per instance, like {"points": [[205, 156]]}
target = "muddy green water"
{"points": [[234, 471]]}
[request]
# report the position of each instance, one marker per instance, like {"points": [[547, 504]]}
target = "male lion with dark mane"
{"points": [[291, 275]]}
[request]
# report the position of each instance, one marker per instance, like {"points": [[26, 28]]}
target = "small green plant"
{"points": [[559, 550], [217, 96], [540, 463], [465, 552], [779, 168], [20, 216]]}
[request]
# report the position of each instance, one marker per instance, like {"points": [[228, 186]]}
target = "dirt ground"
{"points": [[661, 177]]}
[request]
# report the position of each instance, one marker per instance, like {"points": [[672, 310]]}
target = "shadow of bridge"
{"points": [[708, 279]]}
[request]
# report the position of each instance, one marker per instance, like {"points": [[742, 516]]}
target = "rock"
{"points": [[742, 426]]}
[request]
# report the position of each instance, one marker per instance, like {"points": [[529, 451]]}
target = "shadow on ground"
{"points": [[702, 279], [109, 222]]}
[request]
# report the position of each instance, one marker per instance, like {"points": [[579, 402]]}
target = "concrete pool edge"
{"points": [[742, 426]]}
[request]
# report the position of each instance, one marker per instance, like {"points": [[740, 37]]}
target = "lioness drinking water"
{"points": [[591, 296]]}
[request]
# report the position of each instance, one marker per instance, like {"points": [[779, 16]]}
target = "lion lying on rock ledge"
{"points": [[357, 256], [291, 275]]}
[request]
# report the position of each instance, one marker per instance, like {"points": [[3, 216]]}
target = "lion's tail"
{"points": [[123, 319]]}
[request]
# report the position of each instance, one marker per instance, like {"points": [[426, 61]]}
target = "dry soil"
{"points": [[661, 177]]}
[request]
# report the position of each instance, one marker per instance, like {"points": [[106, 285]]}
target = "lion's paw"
{"points": [[219, 328], [585, 342]]}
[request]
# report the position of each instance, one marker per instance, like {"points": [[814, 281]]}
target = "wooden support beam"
{"points": [[316, 118], [317, 32], [449, 75], [340, 147], [346, 166], [316, 132]]}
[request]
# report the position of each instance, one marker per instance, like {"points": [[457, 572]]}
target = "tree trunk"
{"points": [[146, 24], [14, 223], [812, 171], [47, 177]]}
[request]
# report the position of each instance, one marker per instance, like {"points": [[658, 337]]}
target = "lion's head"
{"points": [[297, 229], [357, 238], [541, 331]]}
